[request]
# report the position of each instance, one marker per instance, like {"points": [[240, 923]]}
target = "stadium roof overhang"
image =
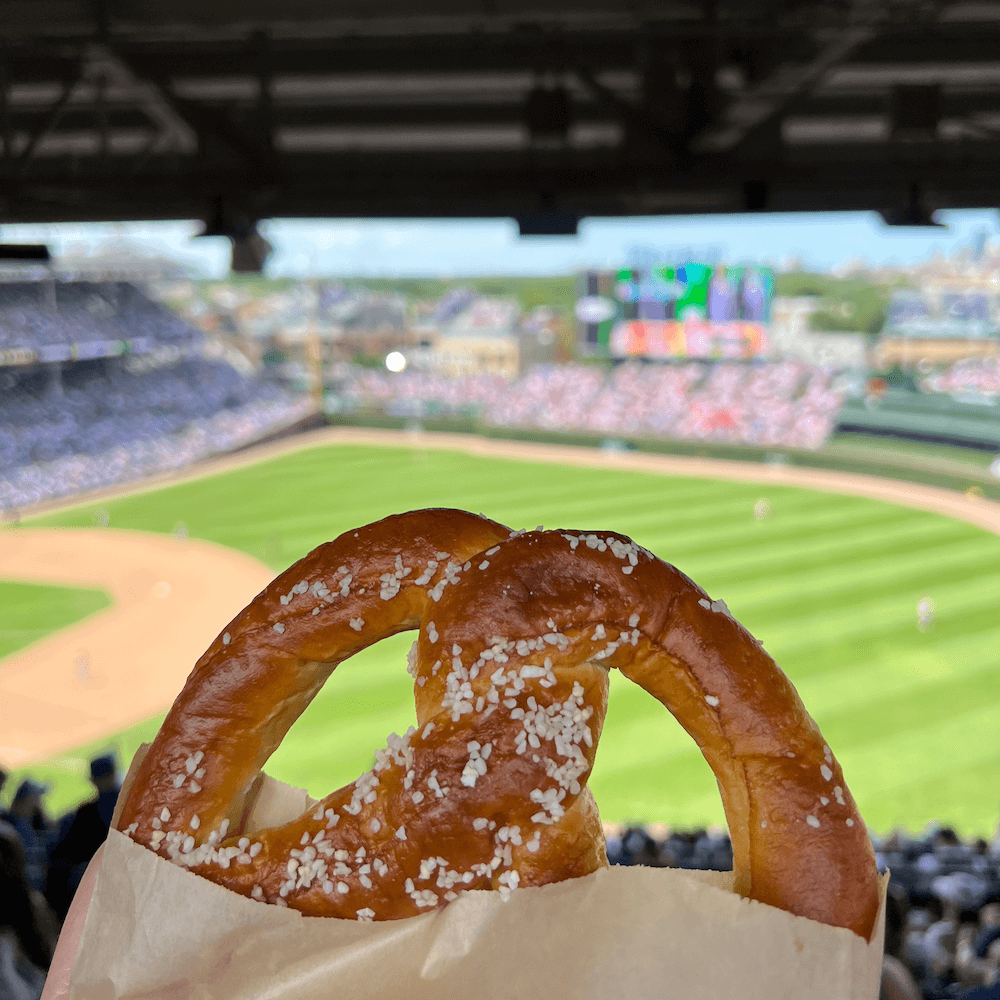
{"points": [[546, 112]]}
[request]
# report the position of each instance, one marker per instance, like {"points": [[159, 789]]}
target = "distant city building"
{"points": [[472, 335], [945, 310], [483, 317], [946, 319], [791, 337], [457, 356]]}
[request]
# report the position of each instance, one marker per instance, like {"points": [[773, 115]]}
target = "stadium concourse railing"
{"points": [[910, 468]]}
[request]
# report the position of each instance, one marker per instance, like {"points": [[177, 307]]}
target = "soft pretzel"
{"points": [[189, 799], [517, 634]]}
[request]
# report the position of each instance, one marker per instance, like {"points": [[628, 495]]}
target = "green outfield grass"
{"points": [[829, 583]]}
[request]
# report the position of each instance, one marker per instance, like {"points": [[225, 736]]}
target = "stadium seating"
{"points": [[782, 404], [981, 377], [111, 427], [96, 418], [435, 393], [40, 314]]}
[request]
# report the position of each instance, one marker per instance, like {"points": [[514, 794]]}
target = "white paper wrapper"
{"points": [[155, 930]]}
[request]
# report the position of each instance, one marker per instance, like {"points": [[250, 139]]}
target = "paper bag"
{"points": [[154, 930]]}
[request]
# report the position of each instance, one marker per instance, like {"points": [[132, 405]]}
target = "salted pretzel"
{"points": [[517, 633]]}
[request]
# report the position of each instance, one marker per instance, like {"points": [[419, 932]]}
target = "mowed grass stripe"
{"points": [[718, 523], [682, 791], [653, 752], [510, 488], [743, 560], [335, 739], [900, 759], [818, 622], [961, 798], [322, 758], [890, 690], [815, 537], [734, 513], [774, 556], [298, 521], [560, 485], [928, 703], [849, 648], [575, 499], [851, 580], [883, 778], [875, 644], [883, 679]]}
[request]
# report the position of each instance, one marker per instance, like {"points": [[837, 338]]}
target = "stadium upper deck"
{"points": [[77, 412], [51, 321]]}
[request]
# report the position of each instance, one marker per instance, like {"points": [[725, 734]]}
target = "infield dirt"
{"points": [[127, 663]]}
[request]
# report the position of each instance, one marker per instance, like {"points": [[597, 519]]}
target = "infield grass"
{"points": [[29, 612], [829, 583]]}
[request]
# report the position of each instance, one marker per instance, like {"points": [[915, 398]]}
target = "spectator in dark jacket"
{"points": [[28, 929], [982, 993], [28, 818], [86, 831], [989, 930]]}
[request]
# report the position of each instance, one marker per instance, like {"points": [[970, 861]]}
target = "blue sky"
{"points": [[457, 248]]}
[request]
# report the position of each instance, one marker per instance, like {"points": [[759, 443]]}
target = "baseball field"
{"points": [[829, 582]]}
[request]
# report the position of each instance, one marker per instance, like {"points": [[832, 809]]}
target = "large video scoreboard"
{"points": [[688, 311]]}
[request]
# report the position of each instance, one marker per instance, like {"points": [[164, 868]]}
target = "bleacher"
{"points": [[432, 393], [100, 385], [787, 404], [49, 321]]}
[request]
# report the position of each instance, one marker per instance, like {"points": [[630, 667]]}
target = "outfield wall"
{"points": [[925, 418], [928, 473]]}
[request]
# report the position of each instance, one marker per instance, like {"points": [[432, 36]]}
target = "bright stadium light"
{"points": [[395, 361]]}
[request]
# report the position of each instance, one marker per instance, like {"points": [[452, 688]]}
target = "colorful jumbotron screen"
{"points": [[691, 311]]}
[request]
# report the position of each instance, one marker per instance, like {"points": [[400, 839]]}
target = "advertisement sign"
{"points": [[87, 351], [664, 339], [691, 311]]}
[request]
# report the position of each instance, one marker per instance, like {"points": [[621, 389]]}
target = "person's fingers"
{"points": [[57, 981]]}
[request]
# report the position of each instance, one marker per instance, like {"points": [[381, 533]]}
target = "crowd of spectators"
{"points": [[786, 403], [942, 912], [781, 404], [973, 375], [121, 389], [435, 391], [942, 937], [37, 314], [100, 424], [41, 865]]}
